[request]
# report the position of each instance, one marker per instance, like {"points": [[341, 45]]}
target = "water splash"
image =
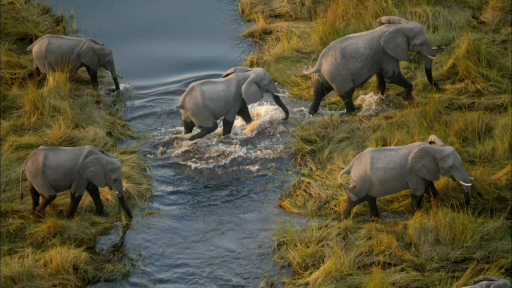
{"points": [[257, 140]]}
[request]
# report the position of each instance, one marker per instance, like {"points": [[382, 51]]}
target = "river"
{"points": [[214, 209]]}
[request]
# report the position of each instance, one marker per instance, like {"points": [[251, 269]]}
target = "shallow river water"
{"points": [[215, 198]]}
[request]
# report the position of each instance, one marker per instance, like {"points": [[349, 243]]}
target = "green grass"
{"points": [[54, 251], [444, 245]]}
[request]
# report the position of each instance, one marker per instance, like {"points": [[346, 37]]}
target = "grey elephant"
{"points": [[52, 170], [490, 282], [53, 52], [349, 62], [380, 172], [206, 101]]}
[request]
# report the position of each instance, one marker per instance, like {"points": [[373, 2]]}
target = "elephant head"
{"points": [[95, 55], [259, 82], [429, 162], [104, 170], [408, 36]]}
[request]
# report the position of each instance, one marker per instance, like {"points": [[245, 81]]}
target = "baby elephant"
{"points": [[380, 172], [51, 170], [53, 52], [206, 101], [490, 282]]}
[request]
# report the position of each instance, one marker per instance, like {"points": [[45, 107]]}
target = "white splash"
{"points": [[370, 104], [217, 150]]}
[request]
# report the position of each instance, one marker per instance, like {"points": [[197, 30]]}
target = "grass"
{"points": [[55, 251], [445, 244]]}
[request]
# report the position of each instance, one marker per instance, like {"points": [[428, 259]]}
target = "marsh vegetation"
{"points": [[55, 251], [445, 244]]}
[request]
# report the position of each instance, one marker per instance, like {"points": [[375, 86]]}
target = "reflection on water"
{"points": [[215, 198]]}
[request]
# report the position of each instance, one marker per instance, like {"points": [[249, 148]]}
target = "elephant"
{"points": [[490, 282], [380, 172], [52, 170], [206, 101], [347, 63], [53, 52]]}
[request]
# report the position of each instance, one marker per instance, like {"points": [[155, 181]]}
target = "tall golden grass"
{"points": [[54, 252], [445, 244]]}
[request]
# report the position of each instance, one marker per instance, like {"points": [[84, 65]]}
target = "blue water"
{"points": [[215, 199]]}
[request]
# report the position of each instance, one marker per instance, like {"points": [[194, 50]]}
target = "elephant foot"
{"points": [[408, 96], [69, 216], [38, 214], [103, 213]]}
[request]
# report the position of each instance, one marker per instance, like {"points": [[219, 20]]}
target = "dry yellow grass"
{"points": [[444, 245], [54, 251]]}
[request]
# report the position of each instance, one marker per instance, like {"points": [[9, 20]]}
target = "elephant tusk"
{"points": [[465, 184], [471, 178], [431, 57]]}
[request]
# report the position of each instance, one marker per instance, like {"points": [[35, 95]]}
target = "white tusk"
{"points": [[465, 184], [431, 57], [471, 178]]}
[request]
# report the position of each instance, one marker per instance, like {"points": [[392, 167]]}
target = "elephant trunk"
{"points": [[428, 70], [464, 179], [281, 105], [124, 204], [112, 69]]}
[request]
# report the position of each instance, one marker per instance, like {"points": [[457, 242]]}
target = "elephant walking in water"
{"points": [[52, 52], [349, 62], [206, 101], [380, 172], [52, 170]]}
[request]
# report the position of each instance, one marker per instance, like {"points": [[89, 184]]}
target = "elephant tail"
{"points": [[180, 106], [21, 182], [346, 172], [31, 47], [315, 69]]}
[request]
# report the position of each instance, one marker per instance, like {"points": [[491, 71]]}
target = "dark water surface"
{"points": [[215, 198]]}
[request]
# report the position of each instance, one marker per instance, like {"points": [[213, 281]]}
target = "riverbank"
{"points": [[444, 245], [55, 251]]}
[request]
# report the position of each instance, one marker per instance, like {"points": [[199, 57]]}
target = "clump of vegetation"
{"points": [[445, 244], [54, 251]]}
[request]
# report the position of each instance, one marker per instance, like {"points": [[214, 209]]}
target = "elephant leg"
{"points": [[372, 201], [400, 80], [227, 126], [320, 89], [351, 204], [430, 189], [204, 131], [73, 205], [347, 99], [39, 76], [416, 202], [244, 113], [188, 126], [381, 84], [93, 74], [35, 197], [46, 201], [94, 191]]}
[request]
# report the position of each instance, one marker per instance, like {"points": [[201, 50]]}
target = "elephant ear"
{"points": [[89, 56], [236, 70], [93, 170], [423, 163], [251, 91], [106, 153], [395, 42], [96, 42]]}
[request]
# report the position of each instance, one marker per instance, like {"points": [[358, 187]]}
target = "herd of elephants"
{"points": [[343, 65]]}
